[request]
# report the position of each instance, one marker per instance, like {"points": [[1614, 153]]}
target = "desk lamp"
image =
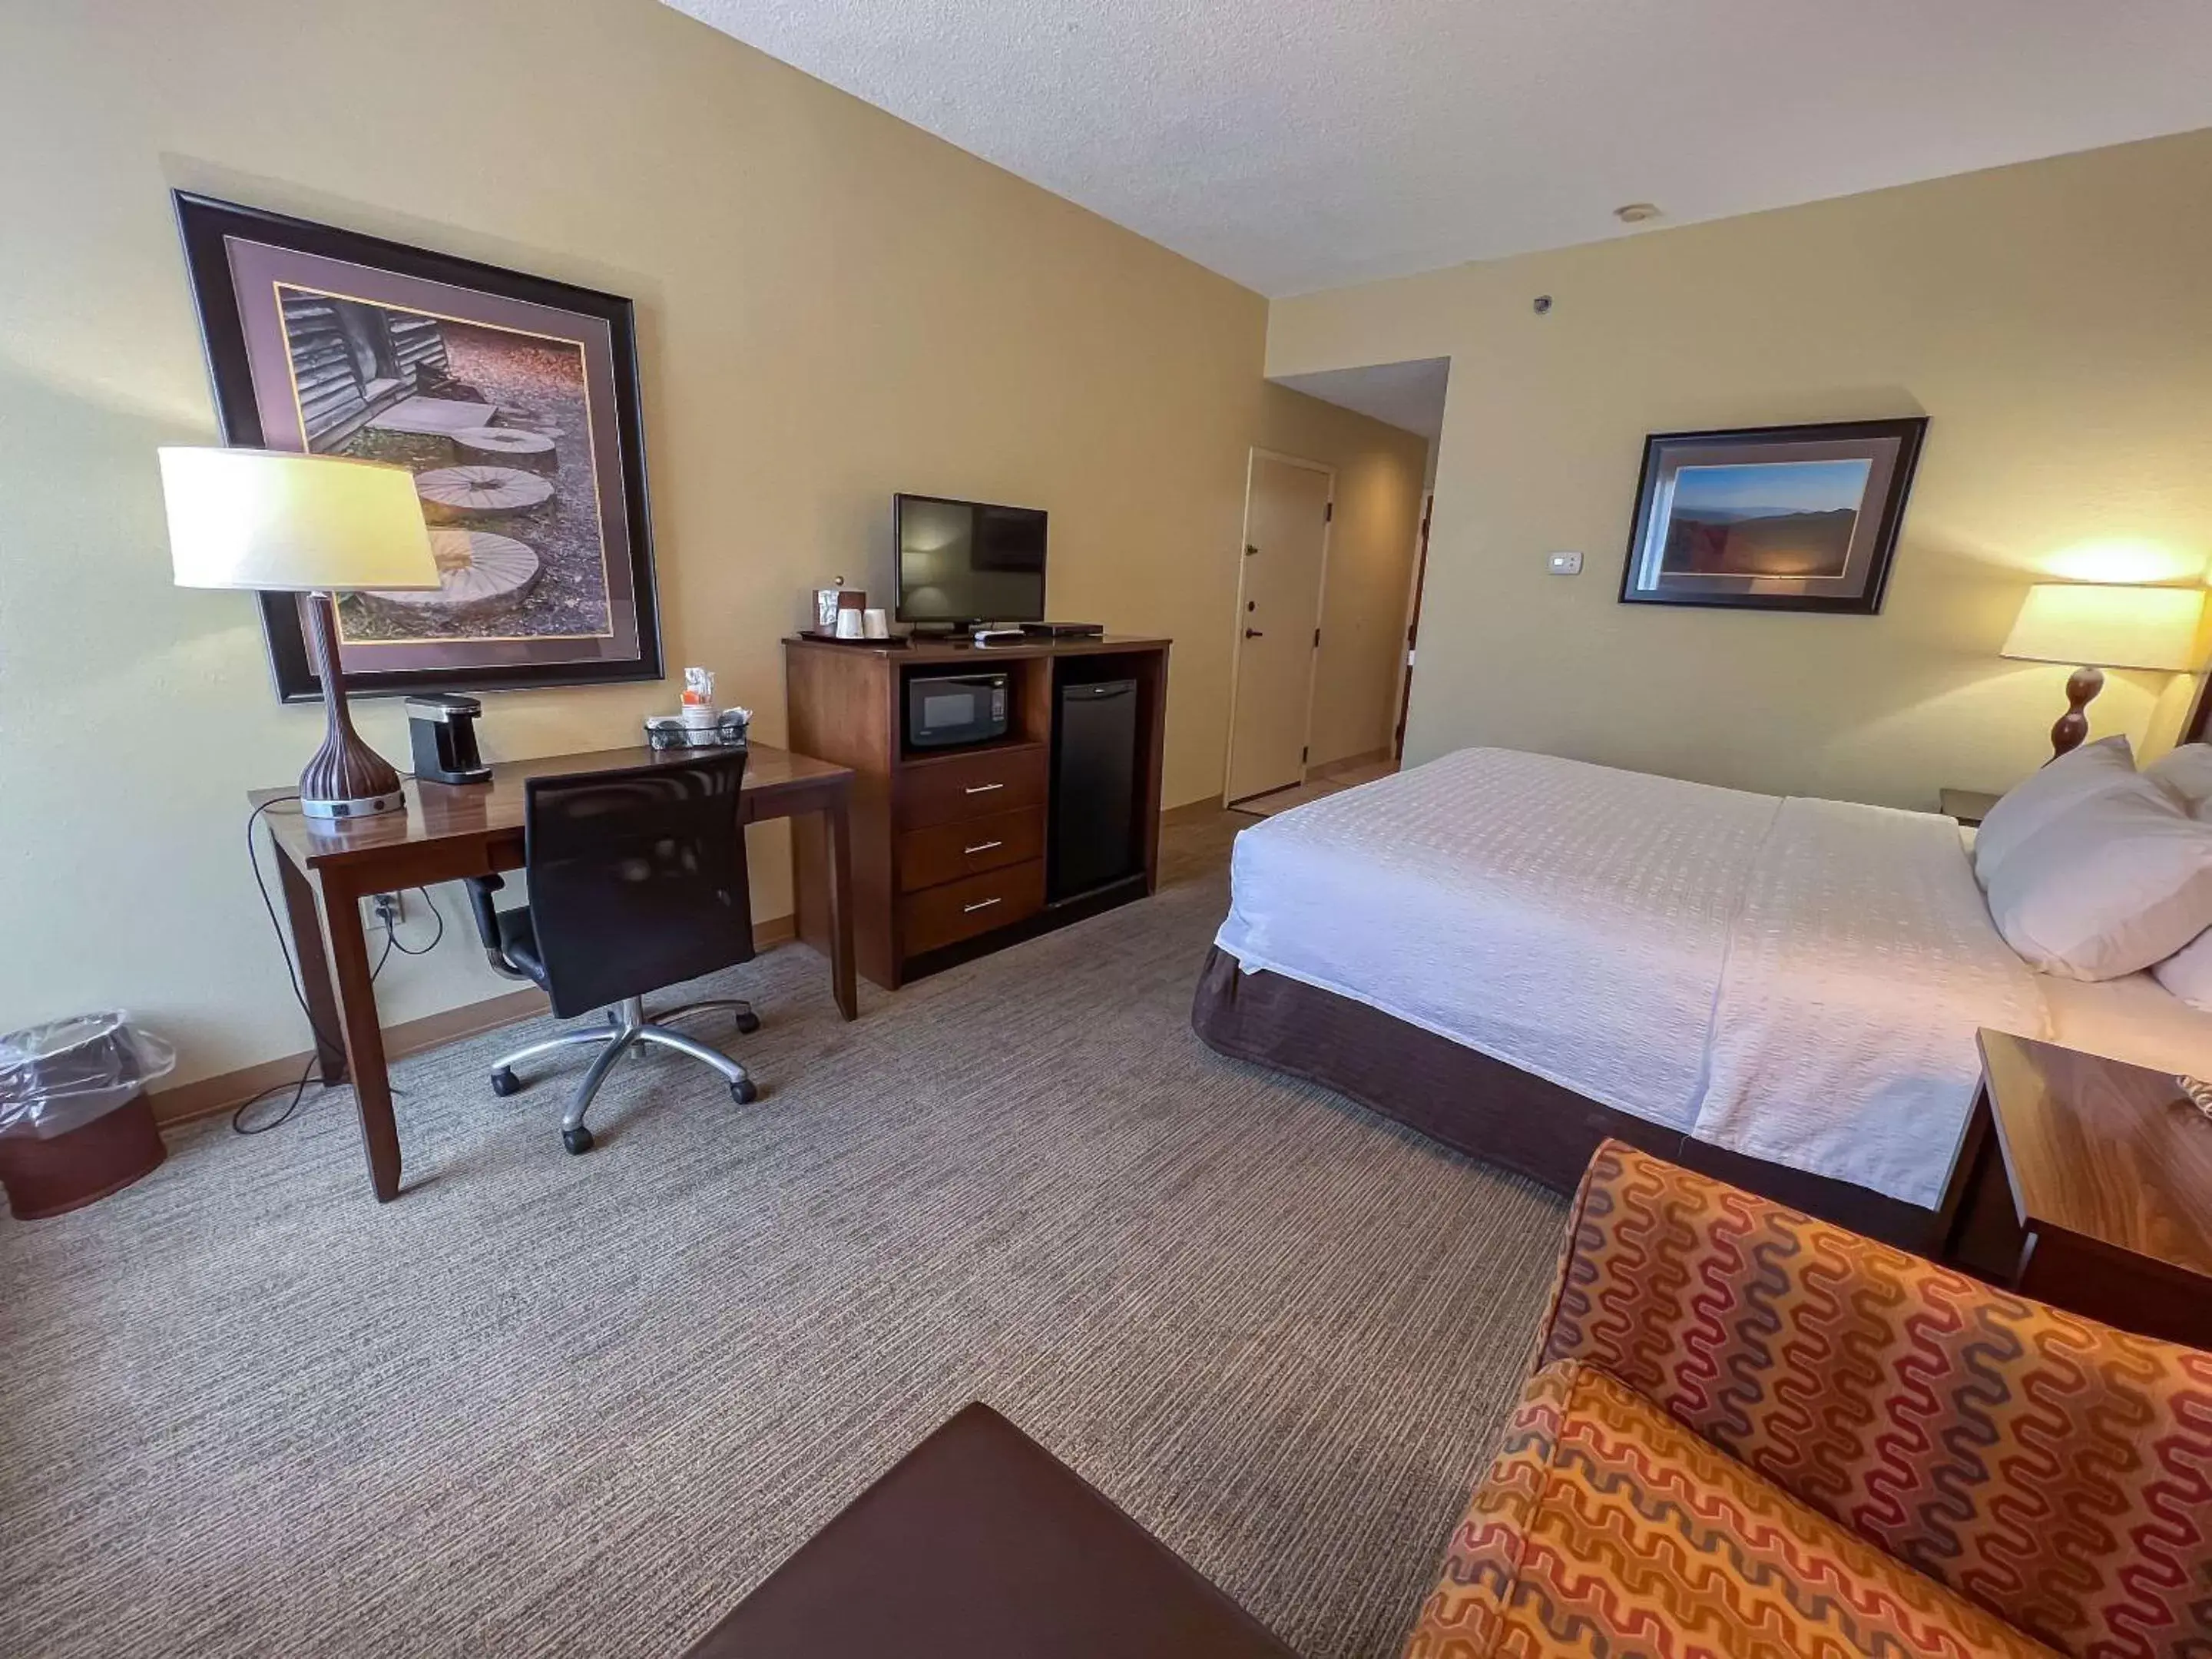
{"points": [[317, 525], [2097, 626]]}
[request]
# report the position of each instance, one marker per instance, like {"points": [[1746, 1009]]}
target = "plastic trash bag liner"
{"points": [[62, 1075]]}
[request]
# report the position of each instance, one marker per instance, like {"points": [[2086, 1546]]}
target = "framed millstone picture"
{"points": [[514, 401]]}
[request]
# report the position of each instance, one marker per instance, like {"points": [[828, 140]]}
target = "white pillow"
{"points": [[2188, 972], [2118, 881], [2185, 773], [2043, 795]]}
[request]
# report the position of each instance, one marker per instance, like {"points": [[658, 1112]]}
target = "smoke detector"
{"points": [[1636, 213]]}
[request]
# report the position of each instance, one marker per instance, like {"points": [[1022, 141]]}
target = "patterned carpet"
{"points": [[550, 1405]]}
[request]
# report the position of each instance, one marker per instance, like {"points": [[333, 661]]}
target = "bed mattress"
{"points": [[1799, 980]]}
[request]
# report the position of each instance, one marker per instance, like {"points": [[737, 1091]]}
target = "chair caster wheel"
{"points": [[744, 1093], [748, 1023], [578, 1140], [504, 1082]]}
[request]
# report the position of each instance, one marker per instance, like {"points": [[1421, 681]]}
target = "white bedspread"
{"points": [[1859, 968], [1797, 979]]}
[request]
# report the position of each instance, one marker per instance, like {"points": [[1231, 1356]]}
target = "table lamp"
{"points": [[2097, 626], [317, 525]]}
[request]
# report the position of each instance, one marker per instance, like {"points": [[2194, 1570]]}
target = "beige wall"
{"points": [[1371, 563], [831, 307], [2053, 320]]}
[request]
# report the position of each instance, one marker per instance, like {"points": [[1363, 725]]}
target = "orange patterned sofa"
{"points": [[1747, 1433]]}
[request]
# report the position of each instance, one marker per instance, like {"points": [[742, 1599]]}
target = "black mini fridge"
{"points": [[1094, 787]]}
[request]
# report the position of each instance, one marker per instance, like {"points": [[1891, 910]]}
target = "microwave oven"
{"points": [[946, 710]]}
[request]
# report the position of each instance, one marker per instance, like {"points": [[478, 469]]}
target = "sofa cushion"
{"points": [[1605, 1527]]}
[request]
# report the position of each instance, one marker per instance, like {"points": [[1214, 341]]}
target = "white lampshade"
{"points": [[282, 523], [2094, 625]]}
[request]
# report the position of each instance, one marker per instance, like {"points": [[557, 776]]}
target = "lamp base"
{"points": [[360, 807], [346, 779], [2082, 686]]}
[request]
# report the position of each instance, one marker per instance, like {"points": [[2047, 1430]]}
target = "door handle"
{"points": [[983, 788], [980, 904], [984, 847], [1254, 634]]}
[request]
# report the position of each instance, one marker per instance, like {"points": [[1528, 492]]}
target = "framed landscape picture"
{"points": [[1777, 518], [512, 398]]}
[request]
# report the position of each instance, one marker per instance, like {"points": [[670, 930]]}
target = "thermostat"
{"points": [[1565, 564]]}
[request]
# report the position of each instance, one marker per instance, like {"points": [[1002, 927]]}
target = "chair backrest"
{"points": [[2048, 1467], [637, 877]]}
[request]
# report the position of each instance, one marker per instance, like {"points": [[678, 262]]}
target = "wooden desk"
{"points": [[2090, 1186], [450, 831]]}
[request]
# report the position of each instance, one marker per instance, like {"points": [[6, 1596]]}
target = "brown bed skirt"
{"points": [[1491, 1111]]}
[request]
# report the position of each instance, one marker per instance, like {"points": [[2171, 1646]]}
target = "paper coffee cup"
{"points": [[849, 625], [878, 625]]}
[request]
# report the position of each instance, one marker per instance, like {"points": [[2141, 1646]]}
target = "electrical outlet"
{"points": [[391, 909]]}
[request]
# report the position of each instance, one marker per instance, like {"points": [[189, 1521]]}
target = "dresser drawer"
{"points": [[963, 786], [949, 851], [975, 904]]}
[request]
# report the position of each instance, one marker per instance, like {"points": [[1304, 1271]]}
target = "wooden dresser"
{"points": [[951, 849]]}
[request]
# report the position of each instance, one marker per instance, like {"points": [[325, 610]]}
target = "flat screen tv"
{"points": [[968, 562]]}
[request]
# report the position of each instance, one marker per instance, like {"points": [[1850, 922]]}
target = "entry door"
{"points": [[1413, 633], [1286, 510]]}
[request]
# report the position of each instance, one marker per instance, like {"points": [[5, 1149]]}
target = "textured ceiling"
{"points": [[1410, 395], [1297, 144]]}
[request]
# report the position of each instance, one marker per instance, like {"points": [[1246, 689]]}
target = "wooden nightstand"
{"points": [[2088, 1185], [1969, 806]]}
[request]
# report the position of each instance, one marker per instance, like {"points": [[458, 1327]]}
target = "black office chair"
{"points": [[637, 880]]}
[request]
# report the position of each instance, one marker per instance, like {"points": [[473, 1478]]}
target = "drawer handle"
{"points": [[980, 904], [984, 847], [983, 788]]}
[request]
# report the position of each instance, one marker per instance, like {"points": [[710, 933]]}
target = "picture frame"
{"points": [[513, 399], [1774, 517]]}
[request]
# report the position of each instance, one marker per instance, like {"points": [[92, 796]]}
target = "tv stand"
{"points": [[951, 847]]}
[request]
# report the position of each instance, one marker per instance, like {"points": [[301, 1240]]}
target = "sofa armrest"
{"points": [[2054, 1470]]}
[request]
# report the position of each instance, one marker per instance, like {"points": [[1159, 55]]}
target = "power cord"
{"points": [[239, 1126], [392, 936], [322, 1039]]}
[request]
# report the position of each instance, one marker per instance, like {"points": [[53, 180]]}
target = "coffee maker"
{"points": [[442, 730]]}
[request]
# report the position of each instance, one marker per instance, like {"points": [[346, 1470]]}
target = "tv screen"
{"points": [[968, 562]]}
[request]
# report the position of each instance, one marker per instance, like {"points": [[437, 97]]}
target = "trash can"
{"points": [[74, 1122]]}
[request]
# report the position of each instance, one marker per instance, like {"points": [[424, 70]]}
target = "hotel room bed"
{"points": [[1521, 955]]}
